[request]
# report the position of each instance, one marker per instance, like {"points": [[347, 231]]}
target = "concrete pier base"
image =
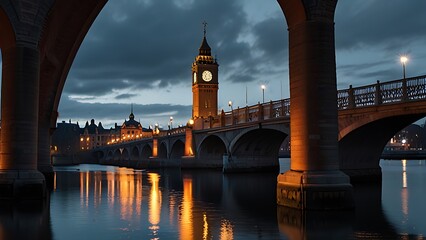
{"points": [[49, 176], [315, 190], [22, 184]]}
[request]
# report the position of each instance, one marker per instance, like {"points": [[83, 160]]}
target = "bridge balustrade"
{"points": [[258, 112], [408, 89], [416, 88]]}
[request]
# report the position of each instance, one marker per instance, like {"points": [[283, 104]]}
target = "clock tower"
{"points": [[204, 82]]}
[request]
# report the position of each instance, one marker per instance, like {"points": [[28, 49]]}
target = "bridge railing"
{"points": [[258, 112], [408, 89]]}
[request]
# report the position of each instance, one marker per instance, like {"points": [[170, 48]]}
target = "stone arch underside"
{"points": [[146, 152], [110, 156], [162, 151], [177, 150], [7, 34], [117, 155], [99, 155], [134, 154], [125, 155], [63, 32], [360, 150], [212, 149], [256, 149]]}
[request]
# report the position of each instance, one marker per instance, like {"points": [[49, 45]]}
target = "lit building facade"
{"points": [[131, 129], [94, 136]]}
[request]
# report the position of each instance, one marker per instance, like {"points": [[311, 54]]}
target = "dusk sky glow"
{"points": [[141, 51]]}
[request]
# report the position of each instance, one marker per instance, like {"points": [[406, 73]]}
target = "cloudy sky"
{"points": [[141, 51]]}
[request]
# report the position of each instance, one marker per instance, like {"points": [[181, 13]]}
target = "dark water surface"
{"points": [[103, 202]]}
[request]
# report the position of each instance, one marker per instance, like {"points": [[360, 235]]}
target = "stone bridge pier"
{"points": [[314, 180], [20, 32], [38, 41]]}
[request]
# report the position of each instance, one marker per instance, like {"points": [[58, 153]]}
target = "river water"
{"points": [[105, 202]]}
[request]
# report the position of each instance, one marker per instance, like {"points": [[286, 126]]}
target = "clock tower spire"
{"points": [[204, 82]]}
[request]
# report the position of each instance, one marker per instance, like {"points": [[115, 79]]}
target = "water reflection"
{"points": [[25, 220], [404, 190], [154, 203], [185, 211], [98, 202]]}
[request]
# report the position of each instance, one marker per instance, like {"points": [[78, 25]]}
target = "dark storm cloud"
{"points": [[382, 31], [125, 96], [95, 88], [267, 54], [142, 43], [384, 24], [272, 40], [97, 111]]}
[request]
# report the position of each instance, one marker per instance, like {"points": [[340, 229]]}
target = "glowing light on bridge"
{"points": [[404, 60]]}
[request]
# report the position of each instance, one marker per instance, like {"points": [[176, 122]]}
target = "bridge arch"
{"points": [[125, 155], [117, 156], [361, 143], [212, 148], [7, 34], [110, 156], [146, 152], [255, 150], [99, 155], [257, 142], [177, 149], [162, 150], [134, 154]]}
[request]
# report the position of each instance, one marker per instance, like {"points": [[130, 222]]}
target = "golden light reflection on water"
{"points": [[205, 227], [111, 188], [97, 198], [123, 190], [186, 218], [226, 230], [404, 191], [172, 205], [154, 203], [54, 181], [126, 196]]}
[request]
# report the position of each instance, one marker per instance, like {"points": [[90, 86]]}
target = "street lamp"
{"points": [[171, 122], [155, 130], [263, 92], [191, 122], [230, 105], [404, 60]]}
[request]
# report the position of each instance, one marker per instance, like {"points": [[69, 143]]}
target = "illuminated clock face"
{"points": [[195, 77], [207, 76]]}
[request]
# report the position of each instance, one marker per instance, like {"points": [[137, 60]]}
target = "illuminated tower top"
{"points": [[205, 52]]}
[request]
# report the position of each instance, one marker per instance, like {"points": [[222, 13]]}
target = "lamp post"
{"points": [[263, 92], [404, 60], [230, 105], [171, 122]]}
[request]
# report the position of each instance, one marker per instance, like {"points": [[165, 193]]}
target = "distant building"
{"points": [[94, 136], [131, 129], [65, 139], [412, 137]]}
